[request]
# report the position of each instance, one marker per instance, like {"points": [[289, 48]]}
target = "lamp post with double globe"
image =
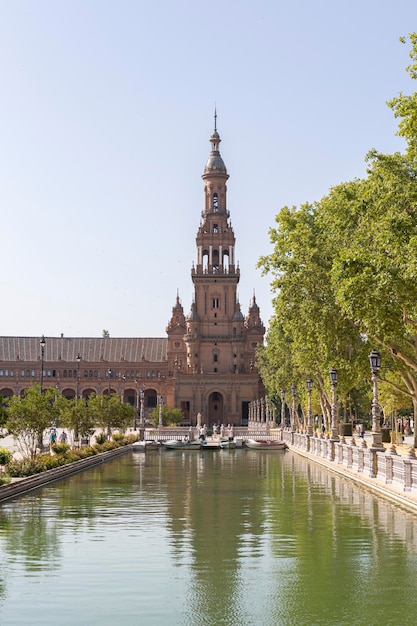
{"points": [[78, 359], [375, 363], [293, 410], [160, 402], [42, 344], [334, 428], [309, 384]]}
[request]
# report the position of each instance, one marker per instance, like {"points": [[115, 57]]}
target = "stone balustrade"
{"points": [[385, 466]]}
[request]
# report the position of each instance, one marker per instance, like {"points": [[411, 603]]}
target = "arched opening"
{"points": [[205, 260], [215, 409], [6, 392], [215, 256], [129, 396], [68, 393], [150, 398], [225, 261], [87, 393]]}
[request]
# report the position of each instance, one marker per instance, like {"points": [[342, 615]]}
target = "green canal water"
{"points": [[236, 538]]}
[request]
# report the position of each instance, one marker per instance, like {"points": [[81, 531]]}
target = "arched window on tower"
{"points": [[215, 202], [205, 260], [215, 258]]}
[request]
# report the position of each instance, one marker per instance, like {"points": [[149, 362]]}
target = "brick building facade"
{"points": [[205, 365]]}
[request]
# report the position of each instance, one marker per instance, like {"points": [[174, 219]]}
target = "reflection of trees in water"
{"points": [[314, 540], [214, 509], [3, 587], [339, 540], [29, 525], [30, 535], [243, 526]]}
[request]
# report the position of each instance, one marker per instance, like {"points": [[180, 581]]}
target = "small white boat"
{"points": [[175, 444], [228, 444], [145, 446], [265, 444]]}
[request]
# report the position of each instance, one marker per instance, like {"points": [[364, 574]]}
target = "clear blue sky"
{"points": [[106, 113]]}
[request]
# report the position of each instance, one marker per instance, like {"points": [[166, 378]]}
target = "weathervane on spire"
{"points": [[215, 118]]}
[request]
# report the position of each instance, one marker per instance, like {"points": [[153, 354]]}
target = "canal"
{"points": [[236, 538]]}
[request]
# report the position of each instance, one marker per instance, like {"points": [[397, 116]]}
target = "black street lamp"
{"points": [[109, 373], [42, 344], [375, 363], [294, 393], [309, 384], [78, 359], [160, 402], [334, 431], [283, 424], [137, 412], [142, 413]]}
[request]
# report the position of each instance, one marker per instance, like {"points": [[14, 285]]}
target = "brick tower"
{"points": [[212, 350]]}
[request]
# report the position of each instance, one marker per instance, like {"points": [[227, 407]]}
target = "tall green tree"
{"points": [[345, 272], [110, 413], [75, 415], [309, 334], [169, 416], [29, 416], [3, 415]]}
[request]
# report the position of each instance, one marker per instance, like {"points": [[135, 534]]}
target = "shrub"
{"points": [[60, 448], [119, 437], [20, 468], [106, 446], [101, 438], [45, 462], [5, 456], [130, 439], [84, 453]]}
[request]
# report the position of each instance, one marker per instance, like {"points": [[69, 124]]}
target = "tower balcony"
{"points": [[215, 270], [197, 337]]}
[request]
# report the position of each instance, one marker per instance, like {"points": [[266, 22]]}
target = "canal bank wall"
{"points": [[385, 472], [23, 485]]}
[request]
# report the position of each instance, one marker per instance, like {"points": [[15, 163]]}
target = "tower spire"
{"points": [[215, 119]]}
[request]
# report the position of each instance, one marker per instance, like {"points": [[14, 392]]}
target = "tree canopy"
{"points": [[345, 276]]}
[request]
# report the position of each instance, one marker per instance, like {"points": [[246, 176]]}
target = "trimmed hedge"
{"points": [[43, 462]]}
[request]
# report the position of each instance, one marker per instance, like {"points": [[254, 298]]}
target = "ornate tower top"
{"points": [[215, 164]]}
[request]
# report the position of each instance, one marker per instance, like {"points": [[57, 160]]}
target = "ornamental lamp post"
{"points": [[78, 359], [142, 414], [137, 406], [375, 362], [294, 393], [283, 408], [334, 430], [122, 395], [160, 402], [42, 344], [109, 373], [309, 384]]}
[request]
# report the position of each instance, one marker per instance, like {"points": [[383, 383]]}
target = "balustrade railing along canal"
{"points": [[385, 466]]}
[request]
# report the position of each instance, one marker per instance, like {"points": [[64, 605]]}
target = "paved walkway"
{"points": [[401, 449]]}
